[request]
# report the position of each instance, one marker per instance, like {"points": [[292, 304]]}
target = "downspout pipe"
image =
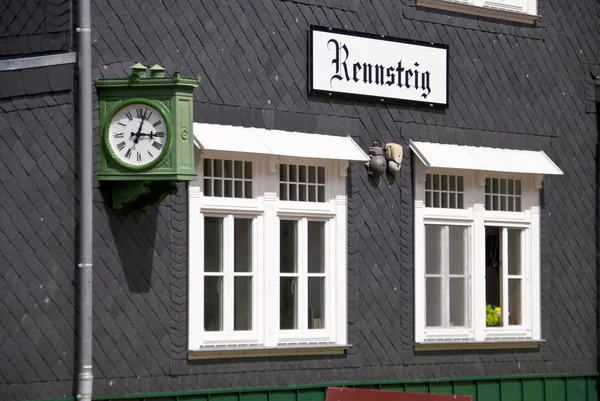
{"points": [[85, 376]]}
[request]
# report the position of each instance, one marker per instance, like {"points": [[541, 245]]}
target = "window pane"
{"points": [[321, 175], [238, 169], [457, 250], [458, 294], [302, 189], [302, 174], [321, 191], [248, 170], [292, 173], [213, 244], [228, 189], [218, 172], [283, 172], [514, 251], [228, 169], [288, 246], [493, 277], [242, 232], [316, 302], [316, 246], [288, 301], [238, 189], [283, 191], [433, 249], [207, 187], [514, 301], [213, 303], [242, 307], [207, 167], [293, 192], [312, 174], [218, 189], [248, 189], [433, 301]]}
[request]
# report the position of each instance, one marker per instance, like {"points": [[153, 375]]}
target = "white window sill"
{"points": [[488, 344], [224, 351], [479, 11]]}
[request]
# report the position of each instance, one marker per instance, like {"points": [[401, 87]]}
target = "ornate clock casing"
{"points": [[146, 134]]}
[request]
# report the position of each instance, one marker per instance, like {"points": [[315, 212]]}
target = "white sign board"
{"points": [[372, 66]]}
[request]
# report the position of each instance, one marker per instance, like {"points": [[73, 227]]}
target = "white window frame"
{"points": [[267, 211], [524, 11], [476, 217]]}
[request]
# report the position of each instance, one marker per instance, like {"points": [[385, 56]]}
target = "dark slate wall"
{"points": [[33, 27], [514, 86]]}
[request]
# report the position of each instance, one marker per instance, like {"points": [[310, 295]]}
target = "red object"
{"points": [[353, 394]]}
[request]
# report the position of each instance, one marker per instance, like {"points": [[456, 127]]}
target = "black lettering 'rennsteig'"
{"points": [[376, 74]]}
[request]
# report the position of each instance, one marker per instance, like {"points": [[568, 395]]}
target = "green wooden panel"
{"points": [[255, 396], [279, 395], [577, 389], [556, 390], [312, 394], [592, 389], [198, 397], [441, 388], [367, 387], [466, 388], [489, 391], [417, 388], [393, 387], [533, 389], [512, 390]]}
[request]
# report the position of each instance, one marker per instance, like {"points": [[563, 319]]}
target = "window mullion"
{"points": [[504, 277], [302, 276], [227, 286], [446, 277]]}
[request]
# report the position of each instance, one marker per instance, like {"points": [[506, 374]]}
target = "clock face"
{"points": [[138, 135]]}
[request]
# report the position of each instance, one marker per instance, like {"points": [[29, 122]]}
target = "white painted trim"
{"points": [[266, 210], [527, 18], [39, 61], [475, 216]]}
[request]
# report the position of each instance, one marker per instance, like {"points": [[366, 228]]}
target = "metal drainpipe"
{"points": [[85, 377]]}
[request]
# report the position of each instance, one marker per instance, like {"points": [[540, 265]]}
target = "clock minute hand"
{"points": [[137, 135]]}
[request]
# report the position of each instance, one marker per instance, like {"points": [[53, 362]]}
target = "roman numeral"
{"points": [[120, 123], [151, 155], [156, 124], [140, 113], [119, 135], [129, 116], [159, 134], [128, 154], [157, 145], [139, 157], [121, 146]]}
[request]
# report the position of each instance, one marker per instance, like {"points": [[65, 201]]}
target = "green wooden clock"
{"points": [[146, 128]]}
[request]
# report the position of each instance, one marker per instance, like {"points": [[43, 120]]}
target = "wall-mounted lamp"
{"points": [[379, 164], [393, 154]]}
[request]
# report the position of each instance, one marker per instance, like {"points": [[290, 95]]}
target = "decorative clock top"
{"points": [[138, 134]]}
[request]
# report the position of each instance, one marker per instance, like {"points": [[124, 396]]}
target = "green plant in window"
{"points": [[492, 315]]}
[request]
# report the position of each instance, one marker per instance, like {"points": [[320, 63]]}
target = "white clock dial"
{"points": [[138, 135]]}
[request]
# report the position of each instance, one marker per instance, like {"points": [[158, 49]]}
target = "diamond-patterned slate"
{"points": [[511, 85]]}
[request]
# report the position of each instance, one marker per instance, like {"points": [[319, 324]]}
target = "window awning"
{"points": [[488, 159], [274, 142]]}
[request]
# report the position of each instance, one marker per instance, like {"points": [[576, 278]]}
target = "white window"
{"points": [[514, 10], [477, 239], [267, 251]]}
